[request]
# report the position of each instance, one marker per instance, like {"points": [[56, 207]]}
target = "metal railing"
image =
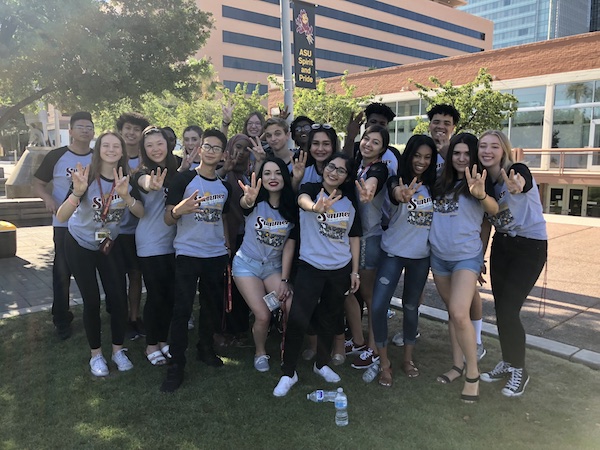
{"points": [[563, 160]]}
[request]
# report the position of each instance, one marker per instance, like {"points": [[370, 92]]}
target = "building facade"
{"points": [[557, 84], [353, 35], [519, 22]]}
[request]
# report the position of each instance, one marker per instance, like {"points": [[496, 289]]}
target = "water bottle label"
{"points": [[320, 395], [341, 403]]}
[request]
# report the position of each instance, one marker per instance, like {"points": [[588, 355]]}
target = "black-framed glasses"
{"points": [[212, 148], [318, 126], [339, 170], [306, 127]]}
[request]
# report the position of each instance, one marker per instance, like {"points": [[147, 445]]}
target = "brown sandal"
{"points": [[385, 376], [409, 368]]}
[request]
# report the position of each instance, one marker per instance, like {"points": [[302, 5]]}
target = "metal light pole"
{"points": [[288, 82]]}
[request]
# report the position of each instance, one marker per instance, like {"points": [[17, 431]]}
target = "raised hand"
{"points": [[353, 127], [121, 183], [284, 113], [188, 159], [476, 182], [228, 162], [250, 191], [514, 181], [257, 150], [366, 191], [80, 179], [157, 180], [403, 193], [227, 113], [190, 205], [299, 165], [325, 202]]}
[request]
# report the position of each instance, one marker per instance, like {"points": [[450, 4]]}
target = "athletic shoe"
{"points": [[366, 359], [338, 359], [191, 323], [63, 329], [98, 366], [398, 338], [261, 363], [501, 371], [329, 375], [481, 351], [132, 333], [352, 349], [284, 385], [209, 357], [516, 383], [173, 380], [122, 361], [308, 354]]}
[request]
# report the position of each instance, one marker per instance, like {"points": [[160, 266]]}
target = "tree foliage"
{"points": [[80, 54], [480, 107], [324, 105]]}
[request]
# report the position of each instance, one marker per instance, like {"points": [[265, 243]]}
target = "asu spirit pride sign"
{"points": [[304, 45]]}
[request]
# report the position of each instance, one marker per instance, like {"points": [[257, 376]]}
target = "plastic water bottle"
{"points": [[370, 373], [341, 408], [320, 396]]}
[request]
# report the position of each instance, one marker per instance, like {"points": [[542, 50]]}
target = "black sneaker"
{"points": [[173, 380], [500, 372], [141, 329], [132, 332], [516, 383], [63, 328], [210, 358]]}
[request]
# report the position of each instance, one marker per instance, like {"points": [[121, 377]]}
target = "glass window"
{"points": [[572, 93], [593, 201], [407, 109], [571, 128], [526, 129], [405, 130], [597, 90], [528, 97]]}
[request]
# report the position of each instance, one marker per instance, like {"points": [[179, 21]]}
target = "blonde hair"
{"points": [[507, 160]]}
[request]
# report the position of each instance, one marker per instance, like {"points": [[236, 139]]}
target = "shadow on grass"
{"points": [[48, 399]]}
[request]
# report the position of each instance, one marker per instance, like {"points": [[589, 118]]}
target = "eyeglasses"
{"points": [[84, 127], [318, 126], [254, 124], [303, 128], [339, 170], [212, 148]]}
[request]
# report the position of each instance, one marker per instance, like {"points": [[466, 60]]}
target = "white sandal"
{"points": [[156, 358]]}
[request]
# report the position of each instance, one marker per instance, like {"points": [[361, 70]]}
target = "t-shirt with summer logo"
{"points": [[57, 166], [408, 232], [324, 238], [87, 218], [371, 212], [266, 232], [130, 222], [200, 234], [153, 237], [520, 214], [311, 175], [456, 227], [439, 165]]}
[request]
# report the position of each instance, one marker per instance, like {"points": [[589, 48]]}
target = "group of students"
{"points": [[319, 228]]}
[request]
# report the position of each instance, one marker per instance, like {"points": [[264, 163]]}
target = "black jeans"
{"points": [[61, 280], [312, 284], [516, 264], [159, 278], [188, 270], [112, 274]]}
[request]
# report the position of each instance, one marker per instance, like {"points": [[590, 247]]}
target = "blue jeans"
{"points": [[386, 280]]}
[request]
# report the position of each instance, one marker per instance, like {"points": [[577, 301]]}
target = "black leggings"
{"points": [[312, 284], [84, 264], [516, 264], [159, 278]]}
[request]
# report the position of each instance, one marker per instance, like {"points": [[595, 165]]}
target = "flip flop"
{"points": [[156, 358]]}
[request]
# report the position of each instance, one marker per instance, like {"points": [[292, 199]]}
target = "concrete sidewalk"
{"points": [[562, 315]]}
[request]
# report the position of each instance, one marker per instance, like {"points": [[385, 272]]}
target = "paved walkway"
{"points": [[563, 320]]}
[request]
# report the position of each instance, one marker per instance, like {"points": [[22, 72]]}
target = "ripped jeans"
{"points": [[386, 280]]}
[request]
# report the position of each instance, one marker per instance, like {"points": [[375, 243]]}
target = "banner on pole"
{"points": [[304, 45]]}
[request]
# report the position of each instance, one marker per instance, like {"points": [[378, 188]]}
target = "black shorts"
{"points": [[125, 245]]}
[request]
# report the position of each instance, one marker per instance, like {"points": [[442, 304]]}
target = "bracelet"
{"points": [[75, 195], [72, 202], [173, 215], [285, 280], [356, 275], [225, 123], [312, 208], [482, 199], [133, 204]]}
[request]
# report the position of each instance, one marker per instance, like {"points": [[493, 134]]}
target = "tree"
{"points": [[480, 107], [87, 53], [324, 105], [244, 103]]}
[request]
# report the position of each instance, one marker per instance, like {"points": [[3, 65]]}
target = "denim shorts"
{"points": [[247, 267], [445, 268], [370, 252]]}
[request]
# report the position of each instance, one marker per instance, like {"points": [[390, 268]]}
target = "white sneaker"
{"points": [[122, 361], [261, 363], [329, 375], [481, 351], [284, 385], [191, 323], [98, 366]]}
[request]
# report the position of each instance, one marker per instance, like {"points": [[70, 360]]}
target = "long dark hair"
{"points": [[287, 202], [170, 160], [96, 164], [330, 132], [405, 167], [447, 182], [348, 163]]}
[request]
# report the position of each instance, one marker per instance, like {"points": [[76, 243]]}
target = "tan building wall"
{"points": [[441, 16]]}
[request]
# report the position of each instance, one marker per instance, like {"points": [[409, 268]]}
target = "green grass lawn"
{"points": [[48, 399]]}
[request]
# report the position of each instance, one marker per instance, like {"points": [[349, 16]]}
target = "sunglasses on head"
{"points": [[318, 126]]}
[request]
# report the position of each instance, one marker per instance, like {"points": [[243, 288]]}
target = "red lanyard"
{"points": [[105, 202], [365, 169]]}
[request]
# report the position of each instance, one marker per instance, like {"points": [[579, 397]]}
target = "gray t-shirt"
{"points": [[200, 235], [408, 232], [130, 221], [324, 238], [371, 213]]}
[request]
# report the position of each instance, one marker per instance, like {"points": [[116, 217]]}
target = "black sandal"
{"points": [[470, 398], [444, 379]]}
